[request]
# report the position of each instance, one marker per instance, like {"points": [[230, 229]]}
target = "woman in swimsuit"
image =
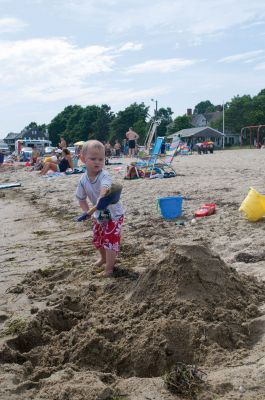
{"points": [[61, 166]]}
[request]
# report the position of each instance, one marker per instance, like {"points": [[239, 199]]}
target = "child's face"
{"points": [[94, 160]]}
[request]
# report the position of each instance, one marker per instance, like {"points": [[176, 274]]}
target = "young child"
{"points": [[93, 185]]}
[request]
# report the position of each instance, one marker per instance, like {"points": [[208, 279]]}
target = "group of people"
{"points": [[60, 160], [128, 147]]}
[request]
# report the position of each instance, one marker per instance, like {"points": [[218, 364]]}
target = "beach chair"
{"points": [[147, 163], [166, 163]]}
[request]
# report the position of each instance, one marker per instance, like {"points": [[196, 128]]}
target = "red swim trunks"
{"points": [[107, 234]]}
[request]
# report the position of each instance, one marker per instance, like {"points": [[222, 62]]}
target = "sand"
{"points": [[192, 294]]}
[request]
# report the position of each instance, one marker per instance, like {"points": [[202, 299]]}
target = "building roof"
{"points": [[33, 133], [27, 133], [197, 119], [204, 131], [12, 135], [207, 117]]}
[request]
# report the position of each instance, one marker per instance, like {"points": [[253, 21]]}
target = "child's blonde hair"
{"points": [[92, 144]]}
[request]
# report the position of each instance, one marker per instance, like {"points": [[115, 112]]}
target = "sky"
{"points": [[55, 53]]}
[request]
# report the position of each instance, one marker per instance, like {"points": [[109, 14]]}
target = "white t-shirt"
{"points": [[91, 190]]}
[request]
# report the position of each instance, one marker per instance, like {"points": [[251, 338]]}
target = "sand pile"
{"points": [[188, 307]]}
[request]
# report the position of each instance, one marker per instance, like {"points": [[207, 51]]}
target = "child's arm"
{"points": [[84, 205]]}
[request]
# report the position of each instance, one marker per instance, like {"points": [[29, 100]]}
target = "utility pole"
{"points": [[156, 109], [223, 126]]}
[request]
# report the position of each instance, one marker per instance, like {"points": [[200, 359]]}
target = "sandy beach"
{"points": [[191, 293]]}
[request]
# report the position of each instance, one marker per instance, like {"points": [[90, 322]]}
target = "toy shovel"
{"points": [[111, 197]]}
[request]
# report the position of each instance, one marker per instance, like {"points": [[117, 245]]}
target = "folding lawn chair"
{"points": [[166, 163], [147, 164]]}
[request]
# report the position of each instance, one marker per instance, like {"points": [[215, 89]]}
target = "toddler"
{"points": [[93, 185]]}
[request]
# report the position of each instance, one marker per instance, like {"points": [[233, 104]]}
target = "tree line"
{"points": [[100, 122]]}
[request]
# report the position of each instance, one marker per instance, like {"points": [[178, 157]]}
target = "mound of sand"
{"points": [[190, 307], [192, 273]]}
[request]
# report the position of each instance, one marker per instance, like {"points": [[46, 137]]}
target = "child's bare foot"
{"points": [[108, 271], [100, 262], [104, 274]]}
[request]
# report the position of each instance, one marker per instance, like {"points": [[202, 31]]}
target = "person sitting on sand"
{"points": [[59, 166], [93, 185]]}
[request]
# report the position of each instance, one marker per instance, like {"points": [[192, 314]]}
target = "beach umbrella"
{"points": [[80, 143]]}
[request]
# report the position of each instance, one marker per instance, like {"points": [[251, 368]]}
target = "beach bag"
{"points": [[131, 172]]}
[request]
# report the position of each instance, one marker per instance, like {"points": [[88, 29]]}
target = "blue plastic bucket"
{"points": [[170, 207]]}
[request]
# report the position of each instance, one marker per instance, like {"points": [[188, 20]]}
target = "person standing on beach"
{"points": [[107, 224], [117, 148], [108, 149], [1, 158], [125, 147], [132, 137]]}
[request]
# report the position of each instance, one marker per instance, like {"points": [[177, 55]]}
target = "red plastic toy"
{"points": [[206, 209]]}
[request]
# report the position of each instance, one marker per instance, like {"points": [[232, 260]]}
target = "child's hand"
{"points": [[82, 217], [91, 211]]}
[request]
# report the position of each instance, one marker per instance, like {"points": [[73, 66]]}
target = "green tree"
{"points": [[101, 126], [74, 128], [77, 123], [238, 113], [217, 124], [134, 116], [58, 125], [165, 117], [203, 107], [257, 114], [179, 123]]}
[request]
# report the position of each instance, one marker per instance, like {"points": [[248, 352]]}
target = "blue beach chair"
{"points": [[166, 163], [148, 163]]}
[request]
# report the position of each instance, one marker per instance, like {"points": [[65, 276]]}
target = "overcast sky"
{"points": [[54, 53]]}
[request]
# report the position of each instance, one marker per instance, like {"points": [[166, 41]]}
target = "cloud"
{"points": [[260, 66], [50, 68], [162, 66], [130, 46], [207, 17], [54, 70], [119, 97], [11, 25], [246, 57]]}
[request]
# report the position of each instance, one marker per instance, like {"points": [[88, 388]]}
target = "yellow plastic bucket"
{"points": [[253, 206]]}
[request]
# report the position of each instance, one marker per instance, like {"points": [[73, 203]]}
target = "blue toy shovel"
{"points": [[112, 196]]}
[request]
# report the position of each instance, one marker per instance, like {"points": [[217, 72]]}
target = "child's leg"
{"points": [[110, 261], [102, 259], [97, 241]]}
